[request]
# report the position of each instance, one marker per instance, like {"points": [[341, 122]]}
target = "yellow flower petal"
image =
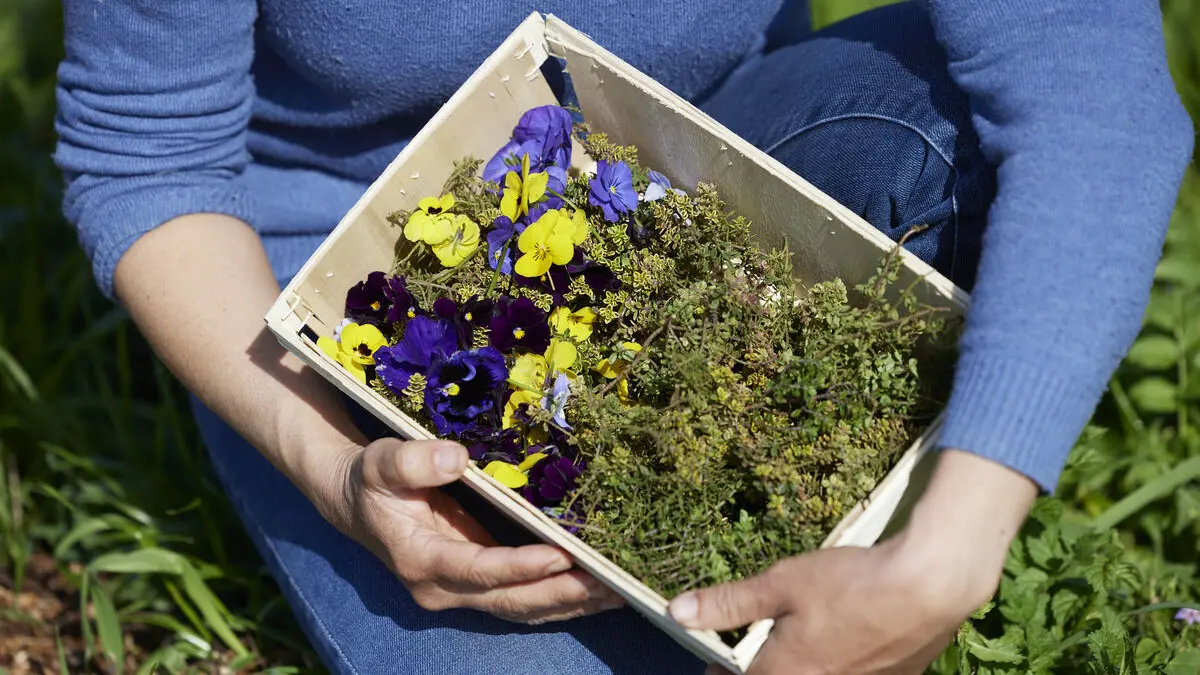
{"points": [[428, 203], [579, 227], [530, 460], [561, 248], [415, 227], [509, 202], [329, 346], [530, 371], [561, 354], [446, 202], [507, 474], [515, 401], [532, 266], [535, 187], [560, 320], [581, 323]]}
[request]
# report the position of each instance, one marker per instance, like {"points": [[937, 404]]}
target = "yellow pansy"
{"points": [[617, 361], [356, 348], [530, 460], [462, 242], [577, 324], [560, 355], [516, 400], [507, 474], [521, 190], [431, 223], [545, 243], [529, 371], [579, 227]]}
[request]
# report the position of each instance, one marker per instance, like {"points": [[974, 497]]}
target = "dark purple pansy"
{"points": [[519, 323], [462, 389], [505, 446], [401, 307], [612, 190], [552, 479], [475, 313], [599, 277], [366, 301], [425, 341]]}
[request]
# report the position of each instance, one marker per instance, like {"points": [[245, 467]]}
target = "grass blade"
{"points": [[108, 625], [141, 561], [210, 608], [1162, 486], [62, 654], [17, 378]]}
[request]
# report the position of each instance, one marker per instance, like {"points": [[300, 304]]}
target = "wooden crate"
{"points": [[672, 136]]}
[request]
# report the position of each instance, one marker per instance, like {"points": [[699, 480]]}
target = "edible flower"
{"points": [[521, 190], [367, 301], [401, 305], [616, 363], [503, 230], [462, 242], [425, 340], [355, 349], [657, 189], [431, 222], [462, 389], [542, 133], [1188, 614], [577, 324], [517, 399], [551, 480], [612, 190], [508, 475], [519, 323], [550, 241], [556, 402]]}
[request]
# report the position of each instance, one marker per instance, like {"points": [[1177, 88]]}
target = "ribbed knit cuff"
{"points": [[110, 228], [1024, 416]]}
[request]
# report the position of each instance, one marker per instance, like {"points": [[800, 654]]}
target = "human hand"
{"points": [[888, 609], [441, 554]]}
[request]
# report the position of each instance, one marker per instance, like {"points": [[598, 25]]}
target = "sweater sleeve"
{"points": [[154, 98], [1075, 107]]}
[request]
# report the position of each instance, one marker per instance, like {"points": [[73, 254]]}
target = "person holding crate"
{"points": [[208, 147]]}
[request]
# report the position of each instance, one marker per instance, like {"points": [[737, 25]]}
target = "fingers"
{"points": [[470, 567], [564, 595], [728, 606], [394, 465]]}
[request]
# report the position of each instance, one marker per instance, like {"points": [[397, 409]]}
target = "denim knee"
{"points": [[867, 112]]}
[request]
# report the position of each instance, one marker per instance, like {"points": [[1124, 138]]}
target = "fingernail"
{"points": [[684, 608], [448, 459], [560, 565]]}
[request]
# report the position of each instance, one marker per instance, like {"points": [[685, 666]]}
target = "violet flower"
{"points": [[505, 446], [462, 387], [549, 126], [402, 306], [519, 323], [552, 479], [503, 231], [425, 341], [657, 189], [366, 302], [612, 190], [1188, 614], [475, 313], [556, 402]]}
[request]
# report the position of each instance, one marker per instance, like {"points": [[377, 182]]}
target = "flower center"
{"points": [[376, 305], [519, 333], [613, 188], [363, 349], [541, 251], [469, 317], [434, 210], [451, 389], [412, 313]]}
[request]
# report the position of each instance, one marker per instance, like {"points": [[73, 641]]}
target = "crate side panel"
{"points": [[826, 240], [476, 121]]}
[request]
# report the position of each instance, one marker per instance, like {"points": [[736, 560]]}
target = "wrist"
{"points": [[959, 533]]}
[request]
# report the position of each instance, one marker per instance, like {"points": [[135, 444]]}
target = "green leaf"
{"points": [[210, 608], [1186, 662], [109, 627], [1154, 352], [82, 530], [994, 652], [1180, 269], [141, 561], [18, 380], [1154, 395], [62, 654]]}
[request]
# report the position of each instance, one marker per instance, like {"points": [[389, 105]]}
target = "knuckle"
{"points": [[431, 601]]}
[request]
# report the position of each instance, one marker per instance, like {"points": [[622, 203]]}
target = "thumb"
{"points": [[728, 606], [394, 465]]}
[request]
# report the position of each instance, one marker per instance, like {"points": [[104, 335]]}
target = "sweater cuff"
{"points": [[1024, 416], [111, 228]]}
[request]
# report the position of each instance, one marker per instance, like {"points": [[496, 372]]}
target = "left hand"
{"points": [[888, 609]]}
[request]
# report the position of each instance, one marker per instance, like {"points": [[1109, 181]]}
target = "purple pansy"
{"points": [[401, 307], [557, 281], [505, 446], [475, 313], [461, 390], [519, 323], [612, 190], [552, 479], [425, 341], [550, 127], [366, 302]]}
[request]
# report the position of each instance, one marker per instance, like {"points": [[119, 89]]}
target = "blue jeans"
{"points": [[865, 111]]}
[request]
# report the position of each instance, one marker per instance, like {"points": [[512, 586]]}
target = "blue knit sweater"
{"points": [[279, 112]]}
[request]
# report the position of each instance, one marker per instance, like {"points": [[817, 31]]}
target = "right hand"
{"points": [[441, 554]]}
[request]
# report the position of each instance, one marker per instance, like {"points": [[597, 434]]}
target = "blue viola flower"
{"points": [[657, 189], [503, 231], [519, 323], [543, 133], [425, 341], [461, 392], [556, 402], [612, 190]]}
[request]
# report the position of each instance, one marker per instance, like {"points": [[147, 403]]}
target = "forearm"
{"points": [[198, 287]]}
